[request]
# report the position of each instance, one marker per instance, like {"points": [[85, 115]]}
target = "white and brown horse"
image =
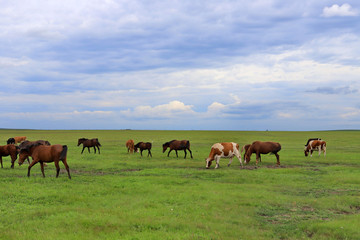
{"points": [[313, 145], [259, 148], [223, 150]]}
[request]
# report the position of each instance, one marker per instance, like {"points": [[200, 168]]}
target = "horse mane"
{"points": [[83, 139], [29, 146]]}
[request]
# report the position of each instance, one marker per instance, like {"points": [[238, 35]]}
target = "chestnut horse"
{"points": [[130, 145], [19, 139], [315, 145], [259, 147], [177, 145], [44, 153], [7, 150], [244, 149], [143, 146], [89, 143], [26, 143]]}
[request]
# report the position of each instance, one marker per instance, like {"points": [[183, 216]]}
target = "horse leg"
{"points": [[141, 151], [57, 168], [82, 150], [257, 158], [88, 149], [42, 168], [277, 158], [185, 153], [169, 152], [98, 149], [28, 160], [66, 167], [217, 161], [149, 153], [176, 153], [230, 161], [30, 166], [94, 150], [324, 149], [1, 162], [190, 152], [239, 157]]}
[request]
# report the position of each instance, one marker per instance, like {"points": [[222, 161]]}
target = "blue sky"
{"points": [[238, 65]]}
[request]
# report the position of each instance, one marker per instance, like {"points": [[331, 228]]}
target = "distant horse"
{"points": [[143, 146], [10, 141], [244, 149], [315, 145], [19, 139], [89, 143], [26, 143], [177, 145], [7, 150], [44, 153], [311, 139], [130, 145], [259, 147]]}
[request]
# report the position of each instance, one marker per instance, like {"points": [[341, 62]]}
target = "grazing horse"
{"points": [[44, 153], [143, 146], [7, 150], [27, 143], [10, 141], [89, 143], [244, 149], [259, 147], [177, 145], [19, 139], [130, 145], [311, 139], [315, 145], [223, 150]]}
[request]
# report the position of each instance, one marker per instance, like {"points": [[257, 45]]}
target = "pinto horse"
{"points": [[43, 153], [259, 147], [7, 150], [89, 143], [143, 146], [315, 145], [130, 145], [177, 145], [311, 139]]}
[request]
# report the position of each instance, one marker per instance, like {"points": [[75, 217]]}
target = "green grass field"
{"points": [[116, 195]]}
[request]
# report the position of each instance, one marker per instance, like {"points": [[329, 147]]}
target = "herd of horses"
{"points": [[43, 152]]}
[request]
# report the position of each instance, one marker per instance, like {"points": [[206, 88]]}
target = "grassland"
{"points": [[116, 195]]}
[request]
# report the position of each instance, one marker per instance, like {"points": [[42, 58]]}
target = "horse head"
{"points": [[208, 162], [81, 140], [165, 146]]}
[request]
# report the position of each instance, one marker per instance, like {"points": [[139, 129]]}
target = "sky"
{"points": [[180, 65]]}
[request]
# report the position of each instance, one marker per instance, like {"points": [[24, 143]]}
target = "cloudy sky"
{"points": [[216, 65]]}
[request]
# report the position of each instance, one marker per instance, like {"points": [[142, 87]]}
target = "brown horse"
{"points": [[27, 143], [259, 147], [177, 145], [315, 145], [7, 150], [143, 146], [42, 154], [89, 143], [244, 149], [130, 145], [10, 141], [19, 139]]}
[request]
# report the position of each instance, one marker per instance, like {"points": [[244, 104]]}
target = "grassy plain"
{"points": [[116, 195]]}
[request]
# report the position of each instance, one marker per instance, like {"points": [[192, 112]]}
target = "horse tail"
{"points": [[188, 144], [97, 141], [63, 153]]}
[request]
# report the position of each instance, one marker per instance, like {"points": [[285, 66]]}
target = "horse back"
{"points": [[48, 153], [265, 147]]}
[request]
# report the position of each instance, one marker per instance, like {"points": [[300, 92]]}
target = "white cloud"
{"points": [[342, 11], [170, 110]]}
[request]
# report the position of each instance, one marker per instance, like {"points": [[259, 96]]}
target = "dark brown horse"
{"points": [[177, 145], [143, 146], [9, 150], [10, 141], [259, 147], [44, 153], [89, 143]]}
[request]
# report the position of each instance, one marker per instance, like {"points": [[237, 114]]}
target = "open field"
{"points": [[115, 195]]}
